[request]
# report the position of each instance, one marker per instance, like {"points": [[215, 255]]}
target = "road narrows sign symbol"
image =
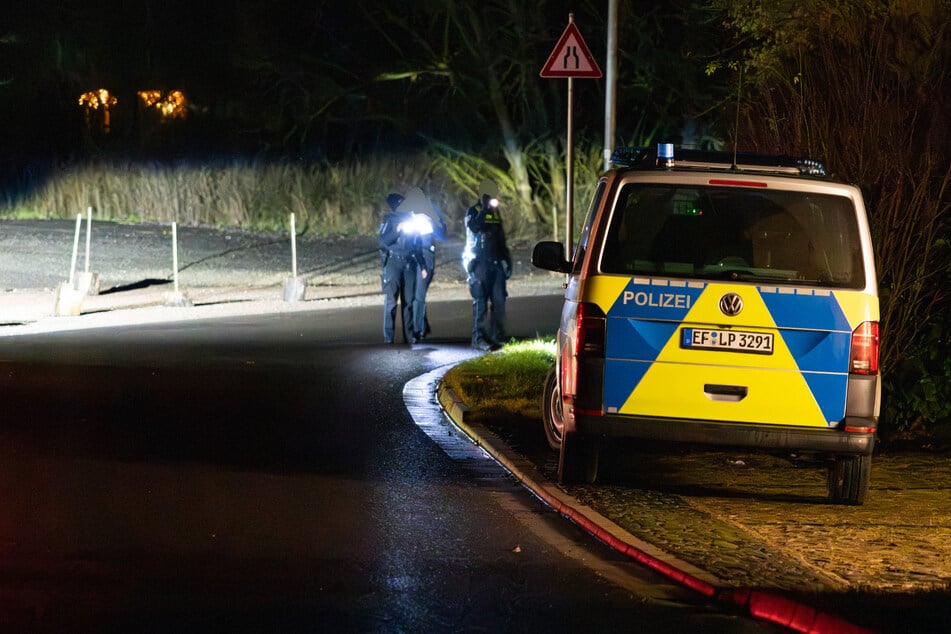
{"points": [[571, 57]]}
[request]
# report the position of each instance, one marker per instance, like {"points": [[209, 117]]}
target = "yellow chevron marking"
{"points": [[677, 391], [858, 307]]}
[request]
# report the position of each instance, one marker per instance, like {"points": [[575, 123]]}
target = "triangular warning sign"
{"points": [[571, 57]]}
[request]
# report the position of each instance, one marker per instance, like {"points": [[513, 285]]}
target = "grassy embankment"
{"points": [[343, 199], [336, 199], [507, 382]]}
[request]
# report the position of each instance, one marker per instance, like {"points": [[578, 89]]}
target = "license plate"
{"points": [[731, 340]]}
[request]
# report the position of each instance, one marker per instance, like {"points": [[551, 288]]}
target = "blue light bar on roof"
{"points": [[667, 156]]}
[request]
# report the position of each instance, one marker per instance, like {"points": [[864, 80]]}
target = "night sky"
{"points": [[234, 61], [304, 78]]}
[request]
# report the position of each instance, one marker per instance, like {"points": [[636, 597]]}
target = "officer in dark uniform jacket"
{"points": [[430, 228], [399, 270], [488, 264]]}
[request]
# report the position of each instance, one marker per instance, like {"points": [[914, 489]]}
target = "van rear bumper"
{"points": [[736, 435]]}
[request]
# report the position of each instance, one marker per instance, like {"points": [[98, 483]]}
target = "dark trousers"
{"points": [[419, 303], [487, 287], [399, 281]]}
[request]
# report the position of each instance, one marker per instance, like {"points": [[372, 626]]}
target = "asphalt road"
{"points": [[260, 473], [749, 521]]}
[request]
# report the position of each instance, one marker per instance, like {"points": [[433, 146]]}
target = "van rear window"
{"points": [[731, 233]]}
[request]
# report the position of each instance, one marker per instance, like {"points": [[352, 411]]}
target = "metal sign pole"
{"points": [[569, 172], [610, 85], [569, 59]]}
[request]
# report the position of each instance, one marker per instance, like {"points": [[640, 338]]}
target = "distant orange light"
{"points": [[149, 97], [172, 106], [95, 99]]}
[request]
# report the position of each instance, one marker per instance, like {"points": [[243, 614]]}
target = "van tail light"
{"points": [[589, 337], [589, 360], [863, 358]]}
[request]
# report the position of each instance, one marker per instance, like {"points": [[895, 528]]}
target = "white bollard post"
{"points": [[293, 247], [175, 254], [88, 283], [294, 286], [176, 298], [69, 301], [88, 234], [72, 266]]}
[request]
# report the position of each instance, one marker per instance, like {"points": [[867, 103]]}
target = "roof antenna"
{"points": [[736, 123]]}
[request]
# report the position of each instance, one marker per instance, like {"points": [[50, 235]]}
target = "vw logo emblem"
{"points": [[731, 304]]}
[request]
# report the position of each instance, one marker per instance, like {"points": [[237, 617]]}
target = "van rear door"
{"points": [[730, 301]]}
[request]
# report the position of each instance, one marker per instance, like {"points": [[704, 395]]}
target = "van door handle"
{"points": [[726, 393]]}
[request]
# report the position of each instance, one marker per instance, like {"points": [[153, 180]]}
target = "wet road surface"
{"points": [[262, 474]]}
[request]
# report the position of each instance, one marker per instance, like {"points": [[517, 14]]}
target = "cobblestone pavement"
{"points": [[769, 524], [761, 522]]}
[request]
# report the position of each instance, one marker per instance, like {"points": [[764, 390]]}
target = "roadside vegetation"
{"points": [[449, 95], [864, 85], [506, 383], [255, 194], [344, 198]]}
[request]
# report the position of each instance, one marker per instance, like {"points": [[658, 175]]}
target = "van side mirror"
{"points": [[550, 255]]}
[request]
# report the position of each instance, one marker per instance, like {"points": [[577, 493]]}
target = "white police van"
{"points": [[718, 299]]}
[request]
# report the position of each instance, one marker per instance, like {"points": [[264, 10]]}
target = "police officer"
{"points": [[488, 264], [399, 269], [429, 227]]}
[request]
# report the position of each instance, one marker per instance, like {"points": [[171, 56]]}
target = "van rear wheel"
{"points": [[552, 418], [579, 459], [848, 479]]}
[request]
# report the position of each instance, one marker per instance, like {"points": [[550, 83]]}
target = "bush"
{"points": [[863, 86], [917, 389]]}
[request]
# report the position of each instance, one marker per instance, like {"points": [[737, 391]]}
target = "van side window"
{"points": [[582, 247]]}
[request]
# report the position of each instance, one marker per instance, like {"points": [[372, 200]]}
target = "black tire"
{"points": [[579, 459], [848, 479], [552, 418]]}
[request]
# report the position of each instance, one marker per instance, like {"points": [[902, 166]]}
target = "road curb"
{"points": [[759, 604]]}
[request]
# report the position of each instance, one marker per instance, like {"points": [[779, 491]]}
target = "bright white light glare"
{"points": [[467, 256], [418, 224], [493, 202]]}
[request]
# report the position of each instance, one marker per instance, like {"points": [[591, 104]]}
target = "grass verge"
{"points": [[507, 382]]}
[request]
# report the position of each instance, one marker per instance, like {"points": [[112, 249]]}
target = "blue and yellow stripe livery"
{"points": [[649, 372]]}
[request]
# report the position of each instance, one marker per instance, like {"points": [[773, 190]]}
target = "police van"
{"points": [[722, 300]]}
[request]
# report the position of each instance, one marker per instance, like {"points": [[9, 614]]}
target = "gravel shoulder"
{"points": [[219, 271], [39, 255]]}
